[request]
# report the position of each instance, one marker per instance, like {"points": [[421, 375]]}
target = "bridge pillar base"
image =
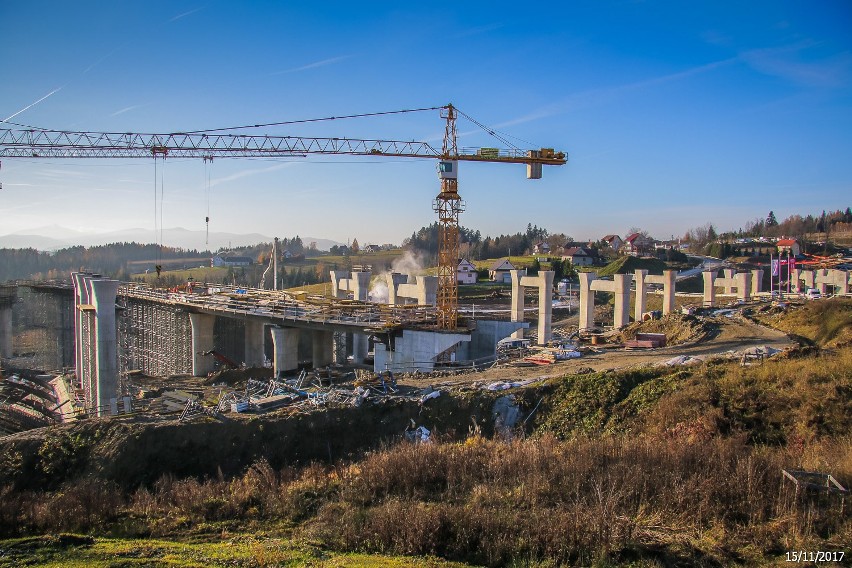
{"points": [[254, 343], [286, 343], [202, 340], [322, 348], [359, 347]]}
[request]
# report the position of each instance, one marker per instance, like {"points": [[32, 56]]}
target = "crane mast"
{"points": [[448, 205], [45, 143]]}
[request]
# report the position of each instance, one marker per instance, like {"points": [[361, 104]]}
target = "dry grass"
{"points": [[616, 499]]}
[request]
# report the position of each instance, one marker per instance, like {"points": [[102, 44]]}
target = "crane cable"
{"points": [[158, 266], [306, 120], [207, 191]]}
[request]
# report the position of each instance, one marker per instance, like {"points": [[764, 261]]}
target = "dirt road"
{"points": [[730, 334]]}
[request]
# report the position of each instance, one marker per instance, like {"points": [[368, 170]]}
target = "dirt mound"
{"points": [[678, 328]]}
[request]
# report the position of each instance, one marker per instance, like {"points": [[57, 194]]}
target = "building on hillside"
{"points": [[219, 260], [466, 272], [581, 256], [638, 244], [499, 271], [614, 242], [788, 247], [372, 248], [541, 248]]}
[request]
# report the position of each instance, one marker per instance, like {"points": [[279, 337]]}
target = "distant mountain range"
{"points": [[54, 237]]}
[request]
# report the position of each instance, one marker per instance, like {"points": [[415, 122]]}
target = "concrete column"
{"points": [[336, 277], [743, 285], [427, 290], [545, 306], [286, 346], [322, 348], [128, 404], [841, 281], [587, 300], [202, 340], [820, 280], [728, 274], [6, 332], [641, 291], [103, 298], [516, 309], [81, 296], [361, 285], [360, 346], [669, 288], [254, 340], [622, 299], [757, 281], [394, 280], [709, 288], [808, 278]]}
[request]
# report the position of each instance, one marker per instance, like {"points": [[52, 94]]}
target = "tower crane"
{"points": [[44, 143]]}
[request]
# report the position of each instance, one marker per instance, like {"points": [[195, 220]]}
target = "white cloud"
{"points": [[315, 64]]}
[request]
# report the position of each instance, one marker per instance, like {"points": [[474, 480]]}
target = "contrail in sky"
{"points": [[30, 106]]}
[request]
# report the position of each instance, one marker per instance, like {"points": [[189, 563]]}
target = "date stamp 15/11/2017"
{"points": [[813, 556]]}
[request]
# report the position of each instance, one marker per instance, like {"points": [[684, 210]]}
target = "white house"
{"points": [[219, 260], [466, 272], [499, 271], [789, 246], [541, 248], [614, 242], [580, 256]]}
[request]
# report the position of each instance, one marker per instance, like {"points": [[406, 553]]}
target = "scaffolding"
{"points": [[43, 328], [154, 338]]}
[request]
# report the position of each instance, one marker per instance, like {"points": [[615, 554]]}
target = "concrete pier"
{"points": [[254, 342], [543, 282], [202, 341], [709, 288], [286, 344], [103, 293], [587, 300], [358, 283], [322, 348], [81, 297]]}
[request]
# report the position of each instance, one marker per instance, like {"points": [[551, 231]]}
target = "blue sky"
{"points": [[673, 114]]}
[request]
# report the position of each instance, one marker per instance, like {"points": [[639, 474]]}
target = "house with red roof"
{"points": [[788, 247]]}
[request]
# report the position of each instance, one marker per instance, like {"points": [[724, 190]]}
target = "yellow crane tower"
{"points": [[207, 144]]}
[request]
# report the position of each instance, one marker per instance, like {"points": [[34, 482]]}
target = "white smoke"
{"points": [[408, 263], [379, 290]]}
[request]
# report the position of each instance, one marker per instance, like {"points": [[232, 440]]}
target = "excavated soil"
{"points": [[678, 328]]}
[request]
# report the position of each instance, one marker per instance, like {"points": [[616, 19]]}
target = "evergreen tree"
{"points": [[771, 221]]}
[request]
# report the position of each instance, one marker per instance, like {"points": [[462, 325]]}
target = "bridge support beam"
{"points": [[254, 336], [202, 341], [322, 348], [103, 293], [286, 343]]}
